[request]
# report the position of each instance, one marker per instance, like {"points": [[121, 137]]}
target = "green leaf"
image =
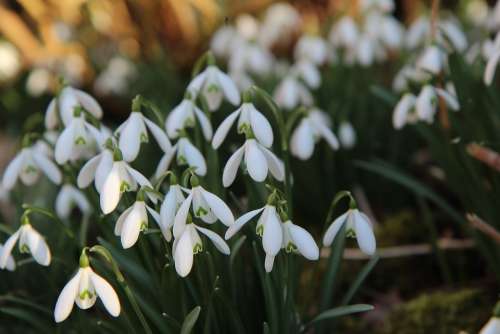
{"points": [[341, 311], [236, 247], [190, 320], [384, 94], [360, 279], [26, 316]]}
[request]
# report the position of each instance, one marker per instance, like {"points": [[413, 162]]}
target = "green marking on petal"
{"points": [[201, 212], [124, 186], [198, 248], [30, 169], [80, 141], [24, 249], [290, 247], [350, 233], [144, 137], [144, 225], [260, 230], [189, 123], [181, 160], [85, 294], [213, 88]]}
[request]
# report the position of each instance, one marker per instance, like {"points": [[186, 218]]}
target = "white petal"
{"points": [[181, 216], [218, 242], [195, 159], [66, 299], [87, 173], [450, 99], [302, 142], [132, 225], [167, 214], [89, 103], [63, 204], [273, 235], [223, 129], [165, 163], [402, 110], [7, 249], [327, 134], [304, 242], [183, 255], [261, 127], [219, 208], [38, 247], [238, 224], [12, 171], [231, 168], [103, 169], [120, 220], [275, 165], [491, 66], [269, 262], [65, 145], [364, 234], [107, 294], [177, 117], [333, 229], [48, 167], [110, 192], [130, 137], [228, 87], [206, 127], [255, 161], [195, 84], [51, 118], [159, 134]]}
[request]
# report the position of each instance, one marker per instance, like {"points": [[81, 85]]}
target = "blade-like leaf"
{"points": [[190, 320], [341, 311]]}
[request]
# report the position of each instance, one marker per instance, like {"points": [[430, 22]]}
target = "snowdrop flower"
{"points": [[250, 57], [69, 197], [311, 48], [173, 200], [312, 127], [185, 154], [417, 32], [280, 23], [242, 80], [27, 166], [206, 206], [391, 32], [432, 60], [133, 132], [365, 50], [120, 178], [308, 72], [453, 35], [404, 112], [492, 326], [134, 220], [10, 265], [187, 243], [222, 41], [75, 139], [30, 242], [185, 116], [65, 104], [83, 289], [214, 84], [249, 119], [344, 33], [347, 135], [291, 93], [258, 161], [358, 225], [426, 102], [96, 169]]}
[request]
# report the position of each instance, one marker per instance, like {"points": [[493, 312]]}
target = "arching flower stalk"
{"points": [[83, 289], [62, 107], [28, 164], [30, 242], [133, 132], [315, 125]]}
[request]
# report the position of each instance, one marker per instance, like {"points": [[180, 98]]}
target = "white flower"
{"points": [[404, 112], [83, 289], [258, 161], [69, 197], [344, 33], [347, 135], [311, 48], [453, 35], [432, 60], [30, 241], [390, 32], [291, 93], [64, 105], [427, 100], [187, 243], [280, 23], [186, 154], [358, 225], [312, 127], [75, 140], [120, 178], [365, 50], [206, 206], [308, 72], [214, 84], [242, 80], [250, 57], [96, 169], [417, 32], [297, 239], [133, 132], [27, 166], [10, 264], [134, 220], [173, 200], [249, 119], [491, 327], [184, 116], [222, 41]]}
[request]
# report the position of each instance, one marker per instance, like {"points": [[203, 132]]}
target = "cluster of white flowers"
{"points": [[76, 137]]}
